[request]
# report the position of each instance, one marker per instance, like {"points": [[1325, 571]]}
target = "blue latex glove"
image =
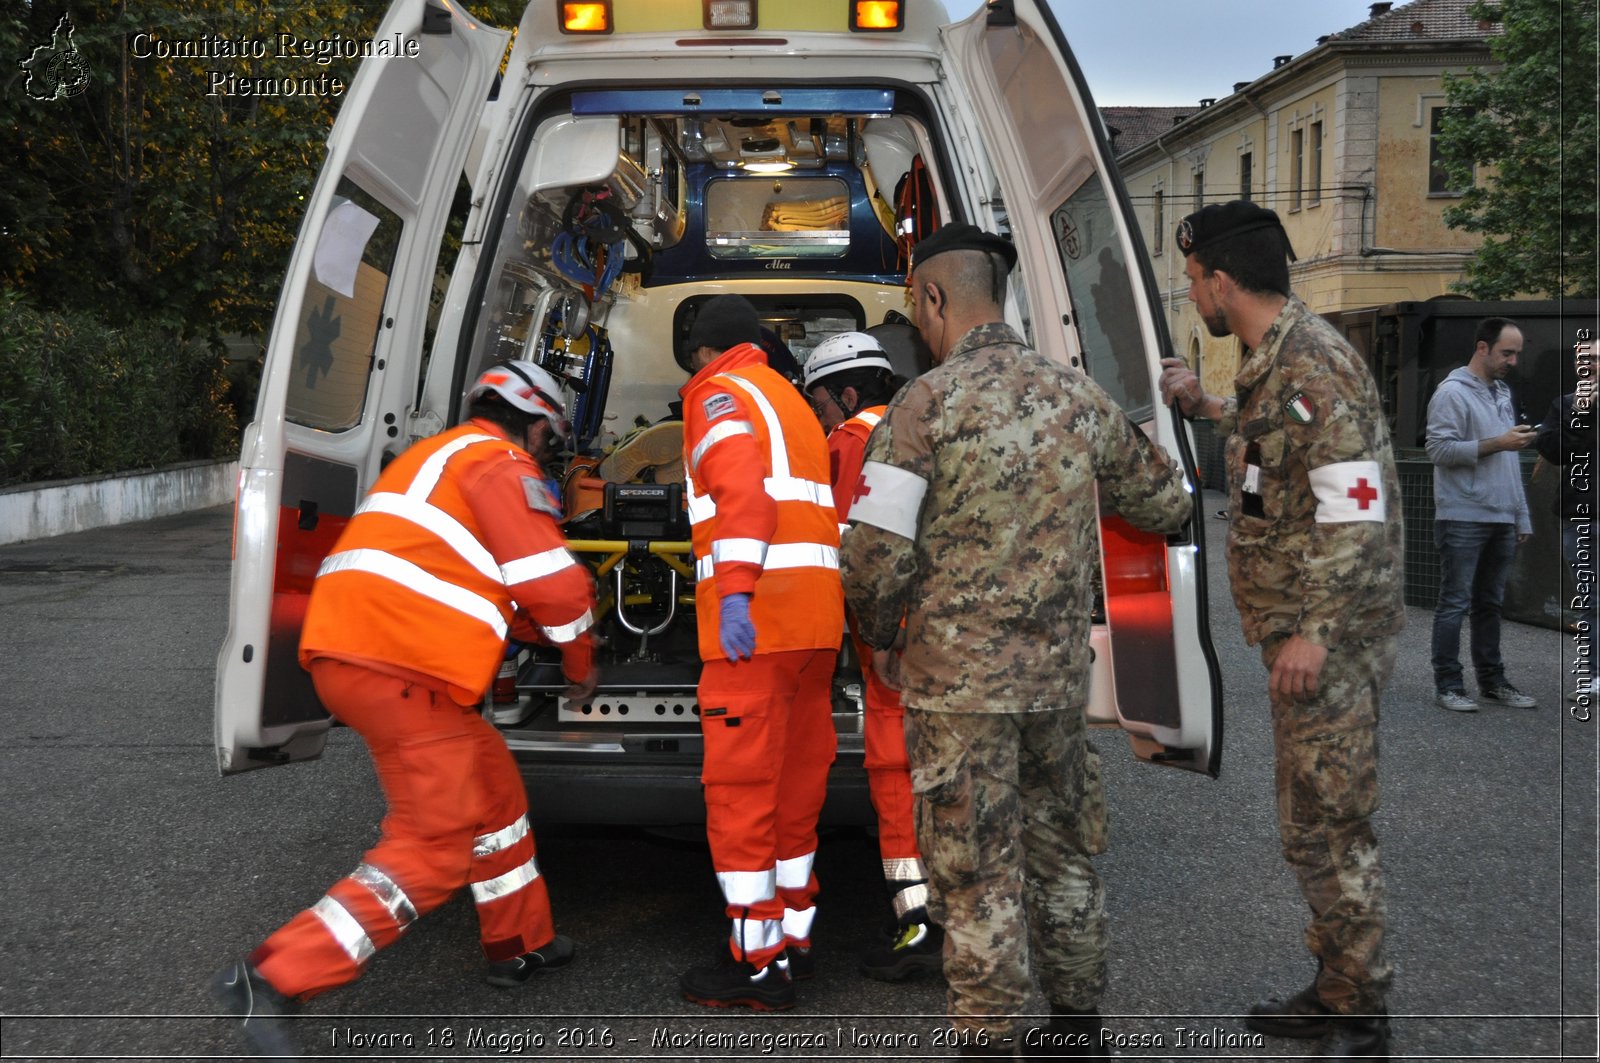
{"points": [[738, 634]]}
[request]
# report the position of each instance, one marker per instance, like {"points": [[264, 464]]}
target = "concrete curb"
{"points": [[39, 511]]}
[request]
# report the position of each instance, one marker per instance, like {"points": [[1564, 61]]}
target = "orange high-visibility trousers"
{"points": [[457, 816], [769, 741], [883, 732]]}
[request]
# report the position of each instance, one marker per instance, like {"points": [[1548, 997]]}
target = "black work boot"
{"points": [[1070, 1034], [1359, 1037], [1302, 1015], [739, 984], [909, 951], [261, 1009], [517, 970]]}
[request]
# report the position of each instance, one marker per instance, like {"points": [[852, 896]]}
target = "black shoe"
{"points": [[517, 970], [913, 950], [1070, 1034], [1302, 1015], [736, 983], [1359, 1037], [802, 964], [242, 991]]}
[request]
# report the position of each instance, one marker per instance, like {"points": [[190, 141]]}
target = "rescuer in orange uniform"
{"points": [[453, 549], [850, 381], [771, 616]]}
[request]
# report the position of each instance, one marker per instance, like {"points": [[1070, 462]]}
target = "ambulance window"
{"points": [[341, 312], [777, 217], [1103, 298]]}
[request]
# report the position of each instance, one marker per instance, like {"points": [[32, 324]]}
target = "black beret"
{"points": [[724, 321], [1221, 220], [960, 236]]}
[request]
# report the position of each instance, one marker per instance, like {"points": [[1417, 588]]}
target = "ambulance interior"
{"points": [[613, 232]]}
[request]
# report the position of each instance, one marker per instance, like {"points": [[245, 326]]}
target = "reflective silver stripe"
{"points": [[387, 566], [506, 884], [344, 928], [388, 892], [750, 551], [754, 935], [780, 449], [910, 899], [797, 924], [748, 887], [504, 838], [782, 555], [794, 489], [536, 566], [701, 508], [567, 632], [433, 519], [796, 871], [716, 434], [428, 475], [905, 869], [868, 418]]}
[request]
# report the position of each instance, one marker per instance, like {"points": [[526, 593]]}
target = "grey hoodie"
{"points": [[1485, 489]]}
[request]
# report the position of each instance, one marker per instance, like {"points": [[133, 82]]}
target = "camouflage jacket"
{"points": [[1314, 533], [975, 518]]}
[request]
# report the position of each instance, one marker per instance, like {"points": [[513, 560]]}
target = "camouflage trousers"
{"points": [[1008, 809], [1327, 780]]}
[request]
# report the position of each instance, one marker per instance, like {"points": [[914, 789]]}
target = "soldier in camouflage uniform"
{"points": [[975, 519], [1314, 557]]}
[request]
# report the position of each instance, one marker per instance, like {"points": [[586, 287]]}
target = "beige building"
{"points": [[1340, 142]]}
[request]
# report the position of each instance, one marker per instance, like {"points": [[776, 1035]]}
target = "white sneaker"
{"points": [[1507, 695], [1455, 701]]}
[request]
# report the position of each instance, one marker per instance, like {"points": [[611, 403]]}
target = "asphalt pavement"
{"points": [[132, 871]]}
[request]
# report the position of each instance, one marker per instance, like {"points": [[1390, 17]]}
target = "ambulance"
{"points": [[571, 193]]}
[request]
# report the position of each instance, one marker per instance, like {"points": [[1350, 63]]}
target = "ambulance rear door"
{"points": [[1091, 300], [344, 358]]}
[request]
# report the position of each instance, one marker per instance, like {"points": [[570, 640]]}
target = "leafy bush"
{"points": [[78, 398]]}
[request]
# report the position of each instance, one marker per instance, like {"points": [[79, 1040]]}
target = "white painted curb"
{"points": [[38, 511]]}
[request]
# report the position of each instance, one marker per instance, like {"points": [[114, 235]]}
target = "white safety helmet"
{"points": [[526, 387], [847, 350]]}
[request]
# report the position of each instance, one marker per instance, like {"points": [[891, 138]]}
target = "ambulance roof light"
{"points": [[589, 17], [877, 16], [728, 14]]}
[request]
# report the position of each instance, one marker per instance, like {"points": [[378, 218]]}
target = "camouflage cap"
{"points": [[1218, 221]]}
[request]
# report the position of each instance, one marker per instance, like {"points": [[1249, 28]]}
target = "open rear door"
{"points": [[1092, 300], [343, 359]]}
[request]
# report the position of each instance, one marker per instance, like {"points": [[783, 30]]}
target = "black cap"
{"points": [[1218, 221], [724, 321], [960, 236]]}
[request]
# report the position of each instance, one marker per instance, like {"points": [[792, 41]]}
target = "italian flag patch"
{"points": [[1299, 408]]}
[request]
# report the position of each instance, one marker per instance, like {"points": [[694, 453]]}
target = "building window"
{"points": [[1297, 160], [1199, 189], [1244, 176], [1316, 163], [1438, 179], [1161, 221]]}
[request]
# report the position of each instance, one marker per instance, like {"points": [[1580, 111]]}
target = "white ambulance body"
{"points": [[575, 209]]}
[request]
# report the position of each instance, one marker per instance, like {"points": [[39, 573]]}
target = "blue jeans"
{"points": [[1474, 559]]}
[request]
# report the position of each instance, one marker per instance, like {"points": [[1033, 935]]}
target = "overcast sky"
{"points": [[1174, 52]]}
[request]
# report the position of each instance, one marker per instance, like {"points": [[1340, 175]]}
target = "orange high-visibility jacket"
{"points": [[455, 544], [760, 505], [847, 450]]}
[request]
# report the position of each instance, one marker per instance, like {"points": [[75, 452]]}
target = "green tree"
{"points": [[1531, 120], [148, 196]]}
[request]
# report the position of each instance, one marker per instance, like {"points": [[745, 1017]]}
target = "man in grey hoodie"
{"points": [[1480, 513]]}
